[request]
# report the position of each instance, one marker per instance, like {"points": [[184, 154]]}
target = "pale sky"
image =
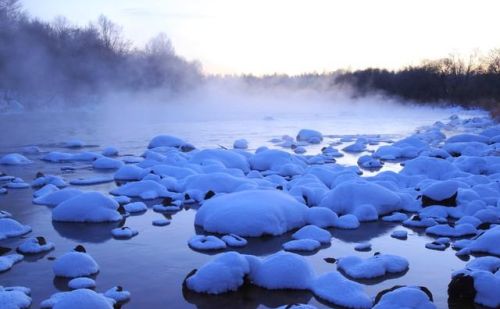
{"points": [[296, 36]]}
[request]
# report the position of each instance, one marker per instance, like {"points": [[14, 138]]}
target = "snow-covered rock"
{"points": [[78, 299], [251, 213], [336, 289], [310, 136], [7, 261], [15, 297], [313, 232], [75, 264], [233, 240], [14, 159], [81, 283], [90, 207], [56, 197], [135, 207], [375, 266], [124, 232], [203, 242], [11, 228], [240, 144], [404, 297], [107, 163], [118, 294], [35, 245], [145, 189], [302, 245]]}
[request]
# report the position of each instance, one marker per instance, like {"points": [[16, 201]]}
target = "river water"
{"points": [[153, 264]]}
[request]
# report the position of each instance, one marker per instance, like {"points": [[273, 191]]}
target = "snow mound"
{"points": [[48, 179], [87, 207], [145, 189], [107, 163], [363, 199], [233, 240], [78, 299], [130, 172], [375, 266], [302, 245], [202, 242], [75, 264], [282, 270], [169, 141], [11, 228], [313, 232], [124, 232], [484, 243], [14, 159], [7, 261], [81, 283], [251, 213], [35, 245], [451, 231], [336, 289], [57, 197], [95, 180], [321, 216], [400, 234], [309, 136], [404, 297], [135, 207], [118, 294], [240, 144], [223, 273], [15, 297]]}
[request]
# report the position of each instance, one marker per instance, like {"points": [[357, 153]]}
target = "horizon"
{"points": [[239, 38]]}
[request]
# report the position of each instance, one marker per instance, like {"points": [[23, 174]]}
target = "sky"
{"points": [[296, 36]]}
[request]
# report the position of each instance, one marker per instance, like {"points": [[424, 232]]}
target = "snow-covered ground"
{"points": [[281, 182]]}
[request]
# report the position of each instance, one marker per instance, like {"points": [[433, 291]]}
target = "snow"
{"points": [[348, 222], [14, 159], [405, 297], [74, 143], [400, 234], [321, 217], [49, 179], [302, 245], [145, 189], [451, 231], [45, 190], [251, 213], [87, 207], [439, 191], [369, 162], [75, 264], [485, 243], [35, 245], [202, 242], [395, 217], [282, 270], [161, 222], [372, 267], [107, 163], [310, 136], [240, 144], [124, 232], [78, 299], [228, 158], [336, 289], [81, 283], [135, 207], [15, 297], [233, 240], [313, 232], [224, 273], [169, 141], [91, 180], [130, 172], [7, 261], [118, 294], [110, 151], [57, 197], [349, 196], [11, 228], [366, 246], [273, 159]]}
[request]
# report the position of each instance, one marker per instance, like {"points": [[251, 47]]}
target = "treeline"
{"points": [[41, 62], [471, 82]]}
